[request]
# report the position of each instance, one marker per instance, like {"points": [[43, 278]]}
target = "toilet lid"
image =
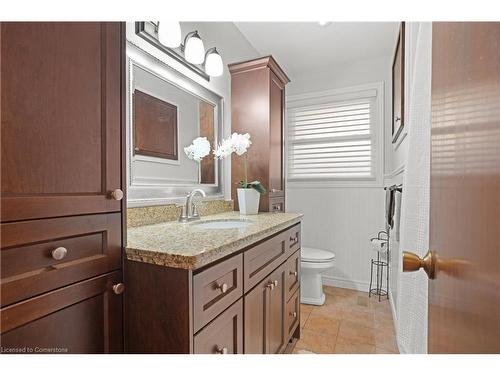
{"points": [[310, 254]]}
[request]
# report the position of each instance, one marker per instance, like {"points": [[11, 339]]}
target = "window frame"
{"points": [[373, 90]]}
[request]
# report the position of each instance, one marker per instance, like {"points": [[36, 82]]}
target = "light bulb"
{"points": [[213, 64], [169, 33], [194, 51]]}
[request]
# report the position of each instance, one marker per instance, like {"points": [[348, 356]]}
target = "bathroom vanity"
{"points": [[224, 284]]}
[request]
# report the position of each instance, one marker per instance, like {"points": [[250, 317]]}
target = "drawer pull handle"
{"points": [[294, 240], [294, 273], [223, 288], [294, 314], [221, 351], [118, 288], [59, 253], [272, 284], [117, 194]]}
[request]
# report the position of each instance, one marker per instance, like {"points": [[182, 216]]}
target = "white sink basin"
{"points": [[223, 224]]}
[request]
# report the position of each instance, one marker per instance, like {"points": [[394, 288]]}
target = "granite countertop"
{"points": [[184, 245]]}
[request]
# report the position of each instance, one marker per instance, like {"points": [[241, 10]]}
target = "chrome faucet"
{"points": [[189, 210]]}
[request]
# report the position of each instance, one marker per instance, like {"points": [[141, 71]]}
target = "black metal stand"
{"points": [[380, 265]]}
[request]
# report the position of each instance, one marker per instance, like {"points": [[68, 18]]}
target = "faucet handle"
{"points": [[195, 212], [183, 218]]}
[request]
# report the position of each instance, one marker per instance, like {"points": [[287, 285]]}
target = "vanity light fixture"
{"points": [[213, 62], [194, 50], [169, 33]]}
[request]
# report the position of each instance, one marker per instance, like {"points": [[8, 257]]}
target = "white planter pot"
{"points": [[248, 200]]}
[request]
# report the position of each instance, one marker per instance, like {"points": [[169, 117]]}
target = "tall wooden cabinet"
{"points": [[257, 108], [62, 186]]}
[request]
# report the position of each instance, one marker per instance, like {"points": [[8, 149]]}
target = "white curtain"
{"points": [[412, 289]]}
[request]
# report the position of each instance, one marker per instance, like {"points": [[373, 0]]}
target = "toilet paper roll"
{"points": [[379, 245]]}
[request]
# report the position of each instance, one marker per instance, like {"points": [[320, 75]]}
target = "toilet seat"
{"points": [[312, 255]]}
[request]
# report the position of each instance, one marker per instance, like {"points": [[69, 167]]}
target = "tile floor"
{"points": [[348, 323]]}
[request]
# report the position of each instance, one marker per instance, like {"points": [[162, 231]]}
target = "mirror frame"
{"points": [[160, 191]]}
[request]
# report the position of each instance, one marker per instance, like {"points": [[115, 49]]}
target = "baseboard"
{"points": [[338, 282]]}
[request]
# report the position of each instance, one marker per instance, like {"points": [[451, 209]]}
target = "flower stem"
{"points": [[246, 170]]}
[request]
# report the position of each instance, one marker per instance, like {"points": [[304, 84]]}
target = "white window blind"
{"points": [[331, 141]]}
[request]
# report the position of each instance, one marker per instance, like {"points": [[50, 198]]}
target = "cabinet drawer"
{"points": [[30, 264], [85, 317], [292, 314], [224, 335], [292, 274], [294, 237], [216, 288], [277, 204]]}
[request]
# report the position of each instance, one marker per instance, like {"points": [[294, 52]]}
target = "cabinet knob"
{"points": [[117, 194], [59, 253], [275, 282], [294, 273], [270, 285], [294, 314], [222, 350], [118, 288], [223, 288]]}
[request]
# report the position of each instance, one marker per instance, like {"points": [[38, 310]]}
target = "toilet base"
{"points": [[311, 288], [313, 301]]}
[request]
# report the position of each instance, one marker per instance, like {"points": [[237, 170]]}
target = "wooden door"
{"points": [[276, 312], [464, 299], [60, 118], [255, 326], [85, 317]]}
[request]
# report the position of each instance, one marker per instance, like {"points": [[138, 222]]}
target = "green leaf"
{"points": [[257, 186]]}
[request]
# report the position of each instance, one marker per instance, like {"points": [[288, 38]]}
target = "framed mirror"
{"points": [[165, 112]]}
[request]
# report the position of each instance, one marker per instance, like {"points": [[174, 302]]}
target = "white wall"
{"points": [[343, 219], [232, 46]]}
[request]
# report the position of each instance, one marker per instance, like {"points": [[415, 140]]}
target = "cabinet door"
{"points": [[256, 304], [60, 118], [264, 315], [82, 318], [276, 312]]}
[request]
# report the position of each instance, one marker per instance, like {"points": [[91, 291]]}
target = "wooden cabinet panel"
{"points": [[264, 315], [292, 274], [215, 288], [92, 244], [276, 99], [155, 127], [294, 237], [292, 314], [82, 318], [257, 103], [276, 318], [60, 118], [260, 260], [224, 335], [256, 306]]}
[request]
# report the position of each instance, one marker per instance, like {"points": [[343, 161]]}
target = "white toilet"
{"points": [[313, 263]]}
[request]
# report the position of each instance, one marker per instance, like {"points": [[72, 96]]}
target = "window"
{"points": [[333, 140]]}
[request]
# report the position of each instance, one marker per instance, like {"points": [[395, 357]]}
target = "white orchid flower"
{"points": [[240, 142], [198, 149], [224, 149]]}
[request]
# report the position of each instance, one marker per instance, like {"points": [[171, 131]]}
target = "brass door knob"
{"points": [[59, 253], [412, 262], [118, 288], [117, 194], [223, 288], [294, 273], [222, 350]]}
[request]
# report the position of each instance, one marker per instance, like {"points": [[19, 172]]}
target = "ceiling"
{"points": [[300, 47]]}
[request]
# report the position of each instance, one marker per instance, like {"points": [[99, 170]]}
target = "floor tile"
{"points": [[314, 342], [348, 322]]}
